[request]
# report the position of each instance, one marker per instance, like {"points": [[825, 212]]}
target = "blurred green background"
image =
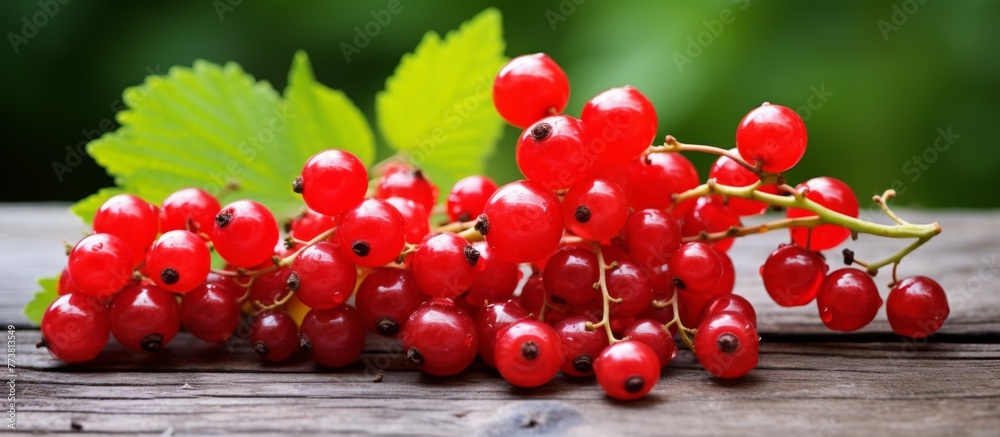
{"points": [[877, 81]]}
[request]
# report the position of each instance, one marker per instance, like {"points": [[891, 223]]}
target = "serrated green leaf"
{"points": [[324, 116], [437, 108], [42, 299]]}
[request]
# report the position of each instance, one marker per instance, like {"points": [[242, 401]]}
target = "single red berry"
{"points": [[130, 218], [445, 265], [792, 275], [710, 215], [75, 327], [528, 353], [496, 278], [522, 222], [697, 268], [322, 277], [386, 298], [100, 265], [144, 317], [725, 171], [651, 333], [310, 225], [660, 176], [651, 237], [468, 197], [772, 137], [274, 336], [332, 181], [917, 307], [729, 302], [245, 233], [727, 345], [595, 209], [580, 346], [65, 284], [529, 88], [570, 275], [491, 321], [553, 152], [830, 193], [371, 233], [848, 300], [627, 370], [191, 209], [178, 261], [440, 338], [622, 123], [532, 294], [408, 183], [210, 312], [416, 219], [333, 337], [629, 282]]}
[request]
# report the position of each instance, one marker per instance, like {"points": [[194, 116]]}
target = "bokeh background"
{"points": [[879, 82]]}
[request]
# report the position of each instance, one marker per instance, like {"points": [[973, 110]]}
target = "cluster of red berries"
{"points": [[589, 266]]}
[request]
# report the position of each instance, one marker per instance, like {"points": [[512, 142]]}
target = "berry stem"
{"points": [[759, 229], [602, 283], [872, 268]]}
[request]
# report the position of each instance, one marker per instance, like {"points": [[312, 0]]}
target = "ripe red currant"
{"points": [[627, 370], [833, 194], [191, 209], [491, 321], [729, 302], [386, 298], [772, 137], [332, 181], [710, 215], [322, 277], [333, 337], [75, 328], [522, 222], [245, 233], [553, 152], [144, 317], [660, 176], [468, 197], [496, 278], [408, 183], [445, 265], [727, 345], [210, 312], [440, 338], [529, 88], [274, 336], [629, 282], [917, 306], [178, 261], [651, 237], [130, 218], [725, 171], [371, 233], [580, 346], [528, 353], [100, 265], [848, 300], [570, 275], [310, 225], [416, 219], [697, 267], [792, 275], [651, 333], [595, 209], [623, 121]]}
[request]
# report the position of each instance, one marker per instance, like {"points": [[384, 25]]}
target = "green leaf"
{"points": [[211, 125], [437, 108], [42, 299]]}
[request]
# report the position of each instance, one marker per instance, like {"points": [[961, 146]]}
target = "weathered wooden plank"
{"points": [[827, 388], [963, 259]]}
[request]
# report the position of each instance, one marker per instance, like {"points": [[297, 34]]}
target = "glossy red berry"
{"points": [[416, 219], [75, 327], [532, 294], [651, 333], [621, 122], [725, 171], [792, 275], [245, 233], [651, 237], [709, 215], [210, 312], [65, 284], [727, 345], [580, 346], [772, 137], [191, 209], [496, 278], [130, 218], [310, 225], [660, 176], [491, 321], [529, 88], [144, 317], [627, 370], [445, 265], [322, 277], [696, 267], [408, 183], [371, 233], [833, 194], [386, 298], [332, 181], [528, 353], [629, 282], [333, 337], [917, 307], [729, 302], [440, 338], [570, 275], [553, 152], [522, 222], [178, 261], [274, 336], [270, 287], [100, 265], [468, 197], [595, 209], [848, 300]]}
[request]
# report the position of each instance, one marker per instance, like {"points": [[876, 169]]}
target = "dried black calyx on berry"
{"points": [[151, 343], [170, 276], [297, 185], [583, 363], [293, 281], [529, 350], [305, 344], [415, 356], [224, 217], [482, 224], [361, 248], [848, 256], [387, 326], [679, 283], [634, 384], [728, 343], [582, 214], [471, 254], [261, 348], [541, 131]]}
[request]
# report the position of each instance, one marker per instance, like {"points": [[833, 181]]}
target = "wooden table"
{"points": [[810, 380]]}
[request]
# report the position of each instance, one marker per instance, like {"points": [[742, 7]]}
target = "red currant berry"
{"points": [[627, 370], [792, 275], [144, 317], [310, 225], [727, 345], [191, 209], [848, 300], [729, 302], [595, 209], [529, 88], [491, 321], [651, 237], [710, 215], [178, 261], [528, 353], [725, 171], [408, 183], [651, 333], [245, 233], [580, 346], [623, 120], [772, 137], [570, 275], [371, 233], [697, 268], [332, 181], [496, 279], [274, 336], [65, 285], [130, 218], [445, 265], [522, 222], [669, 173], [468, 197], [100, 265], [386, 298], [833, 194], [322, 277], [440, 338], [333, 337], [269, 288], [532, 294], [629, 282], [415, 218], [75, 328], [917, 306], [210, 312], [552, 152]]}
